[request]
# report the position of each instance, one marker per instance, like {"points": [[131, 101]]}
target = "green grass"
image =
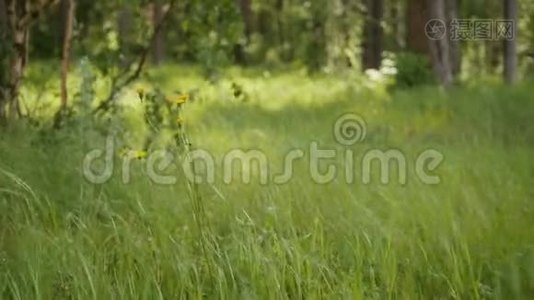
{"points": [[468, 237]]}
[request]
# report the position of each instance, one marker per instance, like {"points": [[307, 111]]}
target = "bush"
{"points": [[413, 70]]}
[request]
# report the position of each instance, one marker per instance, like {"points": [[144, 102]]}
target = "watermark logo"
{"points": [[436, 29], [471, 29], [350, 129], [347, 162]]}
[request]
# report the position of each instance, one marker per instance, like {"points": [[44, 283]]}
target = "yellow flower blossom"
{"points": [[179, 121], [140, 92], [137, 154], [178, 99], [140, 154]]}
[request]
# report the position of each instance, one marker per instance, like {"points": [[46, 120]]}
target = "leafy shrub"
{"points": [[413, 70]]}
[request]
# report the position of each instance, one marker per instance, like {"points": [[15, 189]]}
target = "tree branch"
{"points": [[35, 12], [106, 104]]}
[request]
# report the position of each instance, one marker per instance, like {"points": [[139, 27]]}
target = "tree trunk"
{"points": [[372, 45], [67, 43], [19, 58], [158, 52], [316, 55], [245, 8], [397, 14], [455, 49], [417, 16], [511, 12], [440, 48], [280, 29], [420, 12], [346, 27], [4, 58], [3, 21]]}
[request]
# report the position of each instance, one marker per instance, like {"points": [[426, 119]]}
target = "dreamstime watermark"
{"points": [[322, 165], [471, 29]]}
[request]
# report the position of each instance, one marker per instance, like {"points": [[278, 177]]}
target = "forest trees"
{"points": [[444, 52], [317, 35], [18, 17]]}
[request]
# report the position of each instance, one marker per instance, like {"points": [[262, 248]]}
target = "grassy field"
{"points": [[470, 236]]}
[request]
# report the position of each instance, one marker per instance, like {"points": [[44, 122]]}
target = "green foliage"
{"points": [[321, 35], [413, 70], [213, 33]]}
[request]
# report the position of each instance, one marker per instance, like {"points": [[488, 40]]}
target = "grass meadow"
{"points": [[469, 237]]}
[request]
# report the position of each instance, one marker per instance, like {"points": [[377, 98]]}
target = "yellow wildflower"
{"points": [[140, 154], [179, 121], [137, 154], [178, 99], [141, 92]]}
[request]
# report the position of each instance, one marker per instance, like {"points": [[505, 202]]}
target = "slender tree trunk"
{"points": [[245, 8], [280, 30], [158, 52], [455, 49], [67, 43], [19, 58], [4, 58], [317, 53], [397, 14], [372, 45], [3, 21], [346, 30], [511, 12], [440, 49]]}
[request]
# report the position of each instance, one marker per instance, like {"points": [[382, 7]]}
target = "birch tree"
{"points": [[19, 17]]}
